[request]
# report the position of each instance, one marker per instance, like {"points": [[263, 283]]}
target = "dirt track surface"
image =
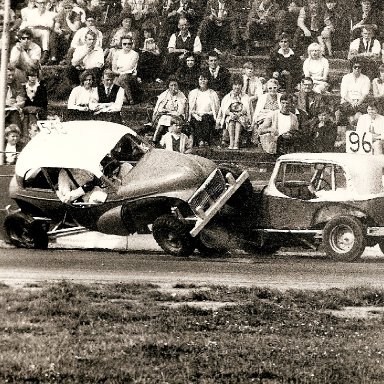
{"points": [[19, 267]]}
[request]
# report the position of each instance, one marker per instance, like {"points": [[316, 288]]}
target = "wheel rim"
{"points": [[173, 240], [342, 238], [21, 235]]}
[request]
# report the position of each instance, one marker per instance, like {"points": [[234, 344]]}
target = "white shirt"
{"points": [[366, 124], [354, 88], [284, 123], [79, 37], [81, 96], [197, 47], [125, 62], [94, 59], [36, 19], [376, 49]]}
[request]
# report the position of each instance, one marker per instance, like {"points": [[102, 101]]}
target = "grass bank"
{"points": [[130, 333]]}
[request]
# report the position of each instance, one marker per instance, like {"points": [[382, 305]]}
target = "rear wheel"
{"points": [[344, 238], [173, 236], [24, 232]]}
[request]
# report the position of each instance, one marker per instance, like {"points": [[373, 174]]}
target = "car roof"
{"points": [[73, 144], [332, 157], [364, 172]]}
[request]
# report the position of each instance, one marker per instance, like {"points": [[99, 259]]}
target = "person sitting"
{"points": [[278, 131], [285, 65], [109, 99], [174, 139], [354, 90], [148, 67], [67, 22], [202, 112], [180, 44], [25, 54], [368, 14], [13, 144], [373, 123], [308, 100], [188, 73], [261, 24], [218, 30], [368, 51], [317, 68], [14, 100], [125, 30], [310, 23], [235, 113], [171, 102], [36, 100], [82, 97], [181, 8], [266, 103], [79, 36], [124, 64], [41, 22], [78, 185]]}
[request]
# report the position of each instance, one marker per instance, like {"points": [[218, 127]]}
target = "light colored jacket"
{"points": [[225, 104]]}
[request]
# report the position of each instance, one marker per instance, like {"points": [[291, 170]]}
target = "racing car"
{"points": [[176, 196]]}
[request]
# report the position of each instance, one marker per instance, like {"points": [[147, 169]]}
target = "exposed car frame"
{"points": [[178, 195]]}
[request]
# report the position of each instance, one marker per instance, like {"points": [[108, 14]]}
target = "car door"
{"points": [[290, 200]]}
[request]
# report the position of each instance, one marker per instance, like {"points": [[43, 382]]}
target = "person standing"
{"points": [[277, 132]]}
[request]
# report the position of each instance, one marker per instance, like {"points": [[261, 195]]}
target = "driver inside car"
{"points": [[75, 185]]}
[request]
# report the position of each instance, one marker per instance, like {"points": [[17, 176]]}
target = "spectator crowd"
{"points": [[109, 53]]}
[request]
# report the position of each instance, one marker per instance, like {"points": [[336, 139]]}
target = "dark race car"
{"points": [[130, 186]]}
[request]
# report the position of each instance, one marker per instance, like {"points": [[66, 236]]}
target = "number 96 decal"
{"points": [[358, 142]]}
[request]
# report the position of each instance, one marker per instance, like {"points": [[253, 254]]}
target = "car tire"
{"points": [[244, 193], [173, 236], [24, 232], [344, 238]]}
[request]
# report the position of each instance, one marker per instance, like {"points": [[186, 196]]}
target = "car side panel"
{"points": [[287, 213]]}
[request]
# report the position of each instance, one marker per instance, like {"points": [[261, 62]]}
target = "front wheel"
{"points": [[344, 238], [24, 232], [172, 236]]}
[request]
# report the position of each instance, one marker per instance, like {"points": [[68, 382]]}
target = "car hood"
{"points": [[165, 172]]}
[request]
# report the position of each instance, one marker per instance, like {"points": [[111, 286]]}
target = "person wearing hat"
{"points": [[25, 54], [110, 98], [13, 144], [284, 65]]}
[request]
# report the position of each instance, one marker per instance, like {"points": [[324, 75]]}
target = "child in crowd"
{"points": [[175, 140], [33, 130], [13, 144], [252, 85]]}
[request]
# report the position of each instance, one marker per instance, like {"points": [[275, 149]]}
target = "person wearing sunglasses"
{"points": [[124, 64], [354, 90], [41, 22], [25, 54]]}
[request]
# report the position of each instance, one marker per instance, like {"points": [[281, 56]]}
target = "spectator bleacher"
{"points": [[108, 14]]}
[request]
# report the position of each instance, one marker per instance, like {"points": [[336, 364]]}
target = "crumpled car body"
{"points": [[159, 182]]}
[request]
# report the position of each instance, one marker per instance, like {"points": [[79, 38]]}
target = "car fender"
{"points": [[328, 212]]}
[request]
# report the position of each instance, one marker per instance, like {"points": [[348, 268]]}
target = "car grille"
{"points": [[209, 191]]}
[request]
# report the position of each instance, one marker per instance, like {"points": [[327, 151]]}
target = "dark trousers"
{"points": [[202, 130]]}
